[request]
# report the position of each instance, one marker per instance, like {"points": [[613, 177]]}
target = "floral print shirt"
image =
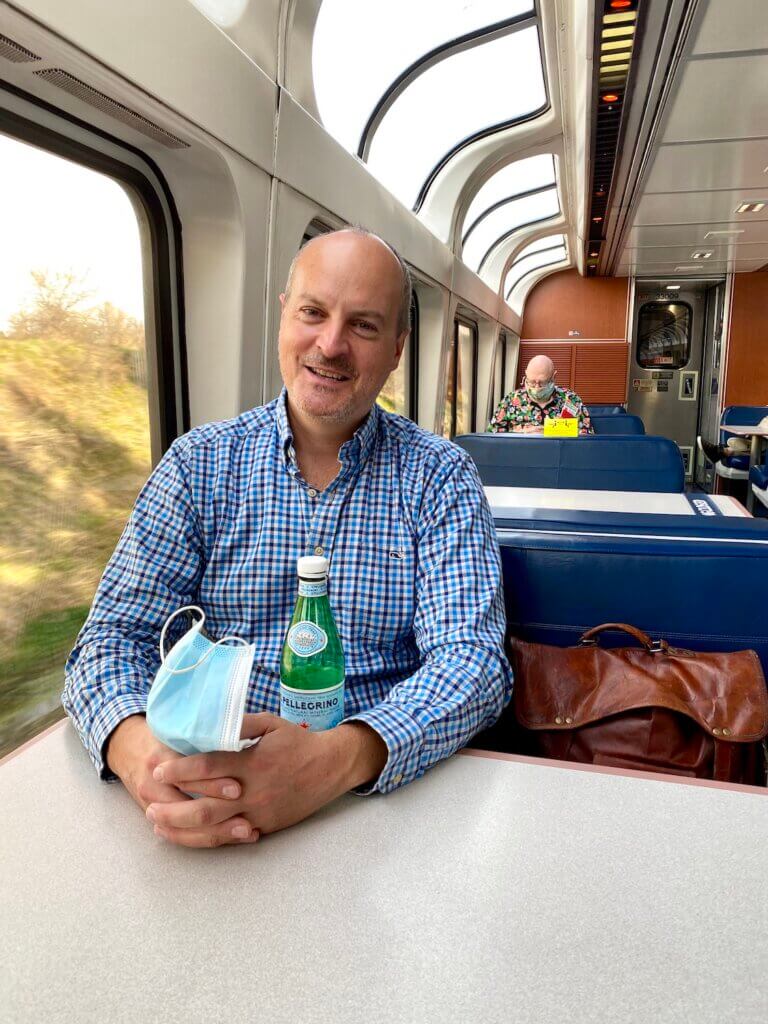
{"points": [[517, 410]]}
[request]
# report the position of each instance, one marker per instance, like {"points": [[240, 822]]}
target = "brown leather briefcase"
{"points": [[654, 707]]}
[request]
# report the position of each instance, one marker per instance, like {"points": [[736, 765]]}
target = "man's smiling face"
{"points": [[338, 330]]}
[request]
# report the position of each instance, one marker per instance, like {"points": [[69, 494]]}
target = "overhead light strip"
{"points": [[615, 40]]}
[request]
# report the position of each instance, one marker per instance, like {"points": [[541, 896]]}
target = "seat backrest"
{"points": [[740, 415], [698, 582], [606, 410], [594, 462], [610, 424]]}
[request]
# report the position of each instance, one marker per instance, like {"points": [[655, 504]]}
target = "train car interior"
{"points": [[585, 180]]}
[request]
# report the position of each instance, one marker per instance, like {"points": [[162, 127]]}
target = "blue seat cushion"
{"points": [[737, 462], [661, 573], [759, 475], [593, 462]]}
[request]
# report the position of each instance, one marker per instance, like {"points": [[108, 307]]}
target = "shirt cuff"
{"points": [[104, 723], [404, 738]]}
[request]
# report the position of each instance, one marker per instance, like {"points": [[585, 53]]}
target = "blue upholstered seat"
{"points": [[606, 410], [598, 463], [612, 424], [758, 479], [664, 574], [736, 467]]}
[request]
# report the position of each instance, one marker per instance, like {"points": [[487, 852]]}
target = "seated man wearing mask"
{"points": [[414, 574], [523, 411]]}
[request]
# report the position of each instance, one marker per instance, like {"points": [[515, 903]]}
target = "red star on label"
{"points": [[303, 725]]}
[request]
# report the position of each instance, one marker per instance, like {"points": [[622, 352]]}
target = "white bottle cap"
{"points": [[312, 567]]}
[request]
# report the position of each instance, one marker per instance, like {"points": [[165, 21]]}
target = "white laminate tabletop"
{"points": [[489, 892], [502, 499], [745, 431]]}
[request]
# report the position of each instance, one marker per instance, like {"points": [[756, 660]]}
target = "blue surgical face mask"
{"points": [[197, 700], [543, 393]]}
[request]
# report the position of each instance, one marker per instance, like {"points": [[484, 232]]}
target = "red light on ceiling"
{"points": [[610, 97], [597, 219], [619, 5]]}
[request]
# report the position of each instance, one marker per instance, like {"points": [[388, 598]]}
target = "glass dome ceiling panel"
{"points": [[467, 93], [520, 176], [505, 219], [534, 259], [361, 46]]}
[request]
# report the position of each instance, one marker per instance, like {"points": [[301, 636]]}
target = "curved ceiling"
{"points": [[424, 85]]}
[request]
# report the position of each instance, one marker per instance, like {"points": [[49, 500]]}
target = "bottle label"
{"points": [[314, 589], [306, 639], [315, 710]]}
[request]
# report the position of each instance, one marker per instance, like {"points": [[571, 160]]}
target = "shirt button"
{"points": [[312, 492], [319, 550], [397, 779]]}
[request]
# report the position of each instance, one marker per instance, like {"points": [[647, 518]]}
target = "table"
{"points": [[758, 434], [505, 500], [492, 891]]}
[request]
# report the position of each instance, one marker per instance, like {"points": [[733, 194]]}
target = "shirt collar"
{"points": [[356, 450]]}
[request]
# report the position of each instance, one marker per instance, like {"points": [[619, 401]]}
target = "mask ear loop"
{"points": [[208, 653]]}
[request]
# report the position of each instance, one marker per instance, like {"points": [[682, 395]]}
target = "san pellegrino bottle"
{"points": [[312, 664]]}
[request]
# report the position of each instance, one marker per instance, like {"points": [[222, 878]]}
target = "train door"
{"points": [[666, 361], [711, 381]]}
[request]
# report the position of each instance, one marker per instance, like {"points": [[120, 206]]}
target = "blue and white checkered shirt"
{"points": [[414, 580]]}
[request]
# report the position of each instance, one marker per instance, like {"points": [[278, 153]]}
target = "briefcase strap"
{"points": [[652, 646]]}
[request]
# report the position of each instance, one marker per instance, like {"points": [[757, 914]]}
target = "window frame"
{"points": [[413, 369], [689, 335], [169, 415], [464, 321], [501, 343]]}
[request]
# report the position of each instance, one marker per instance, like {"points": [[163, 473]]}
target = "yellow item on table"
{"points": [[561, 426]]}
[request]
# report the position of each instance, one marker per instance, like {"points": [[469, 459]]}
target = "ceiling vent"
{"points": [[15, 52], [63, 80]]}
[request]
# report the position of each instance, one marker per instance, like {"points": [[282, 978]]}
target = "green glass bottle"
{"points": [[312, 664]]}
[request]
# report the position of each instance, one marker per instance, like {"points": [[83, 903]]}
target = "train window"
{"points": [[466, 364], [430, 56], [540, 253], [399, 393], [502, 222], [75, 430], [474, 84], [461, 392], [520, 193], [499, 369], [664, 334], [404, 33]]}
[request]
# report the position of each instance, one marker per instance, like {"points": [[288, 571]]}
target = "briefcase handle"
{"points": [[652, 646]]}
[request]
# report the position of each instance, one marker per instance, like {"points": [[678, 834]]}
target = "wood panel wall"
{"points": [[746, 381], [595, 370], [581, 324], [596, 307]]}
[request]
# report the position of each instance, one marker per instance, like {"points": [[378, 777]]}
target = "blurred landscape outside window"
{"points": [[74, 435]]}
